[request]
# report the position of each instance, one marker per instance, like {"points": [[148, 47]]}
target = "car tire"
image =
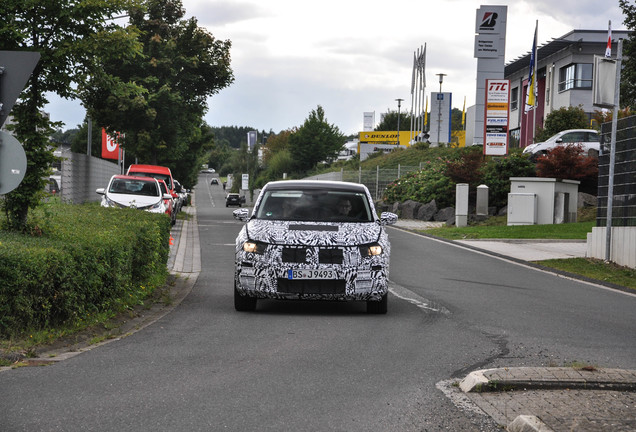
{"points": [[243, 303], [378, 307]]}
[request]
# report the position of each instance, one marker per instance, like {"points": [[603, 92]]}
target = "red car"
{"points": [[170, 210]]}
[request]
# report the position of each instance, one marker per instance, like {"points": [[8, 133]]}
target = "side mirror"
{"points": [[388, 218], [100, 191], [167, 196], [241, 214], [559, 140]]}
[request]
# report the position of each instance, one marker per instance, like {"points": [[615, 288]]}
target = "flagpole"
{"points": [[412, 96], [534, 78]]}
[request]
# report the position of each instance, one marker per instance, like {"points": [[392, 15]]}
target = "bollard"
{"points": [[461, 204], [482, 200]]}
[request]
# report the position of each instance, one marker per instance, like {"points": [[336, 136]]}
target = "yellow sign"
{"points": [[387, 137]]}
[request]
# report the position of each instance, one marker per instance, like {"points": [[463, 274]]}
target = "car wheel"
{"points": [[243, 303], [378, 307]]}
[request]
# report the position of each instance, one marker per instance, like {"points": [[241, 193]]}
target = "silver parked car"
{"points": [[313, 240], [588, 139]]}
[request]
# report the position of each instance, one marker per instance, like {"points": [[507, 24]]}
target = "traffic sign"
{"points": [[15, 70], [13, 163]]}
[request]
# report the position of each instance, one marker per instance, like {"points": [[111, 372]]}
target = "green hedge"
{"points": [[88, 260]]}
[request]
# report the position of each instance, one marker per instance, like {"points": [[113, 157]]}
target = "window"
{"points": [[514, 99], [576, 76]]}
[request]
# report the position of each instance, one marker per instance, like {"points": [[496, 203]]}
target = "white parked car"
{"points": [[313, 240], [142, 193], [589, 139]]}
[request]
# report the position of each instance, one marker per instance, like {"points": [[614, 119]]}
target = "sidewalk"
{"points": [[557, 399], [545, 399]]}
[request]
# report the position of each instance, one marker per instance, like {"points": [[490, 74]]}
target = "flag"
{"points": [[531, 96], [426, 112], [464, 114], [413, 74], [608, 49], [422, 65]]}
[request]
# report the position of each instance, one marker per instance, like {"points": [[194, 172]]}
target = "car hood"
{"points": [[313, 233], [529, 148], [130, 200]]}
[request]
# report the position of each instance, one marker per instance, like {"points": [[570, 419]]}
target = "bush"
{"points": [[570, 162], [88, 260], [430, 183], [497, 172]]}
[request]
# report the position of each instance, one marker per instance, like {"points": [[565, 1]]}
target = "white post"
{"points": [[482, 200], [461, 204]]}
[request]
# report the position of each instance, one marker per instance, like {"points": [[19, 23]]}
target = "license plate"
{"points": [[311, 274]]}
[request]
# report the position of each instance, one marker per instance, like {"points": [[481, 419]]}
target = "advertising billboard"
{"points": [[496, 117]]}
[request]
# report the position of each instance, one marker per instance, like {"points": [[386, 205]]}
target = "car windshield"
{"points": [[314, 205], [163, 177], [133, 187]]}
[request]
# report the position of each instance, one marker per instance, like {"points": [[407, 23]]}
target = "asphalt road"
{"points": [[324, 366]]}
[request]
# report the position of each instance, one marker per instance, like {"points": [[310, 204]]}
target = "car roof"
{"points": [[133, 177], [315, 185], [149, 168]]}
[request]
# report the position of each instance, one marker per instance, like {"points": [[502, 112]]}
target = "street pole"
{"points": [[610, 185], [399, 101], [439, 107]]}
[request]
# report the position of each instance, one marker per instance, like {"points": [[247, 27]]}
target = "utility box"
{"points": [[522, 209], [556, 199]]}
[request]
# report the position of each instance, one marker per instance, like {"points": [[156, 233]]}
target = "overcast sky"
{"points": [[355, 56]]}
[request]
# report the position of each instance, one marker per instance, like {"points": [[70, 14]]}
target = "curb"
{"points": [[548, 378], [528, 423]]}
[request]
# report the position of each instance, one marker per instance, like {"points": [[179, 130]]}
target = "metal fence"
{"points": [[624, 201], [375, 180], [82, 174]]}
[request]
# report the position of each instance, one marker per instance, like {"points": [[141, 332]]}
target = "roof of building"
{"points": [[563, 42]]}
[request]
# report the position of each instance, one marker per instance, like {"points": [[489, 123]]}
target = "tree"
{"points": [[277, 143], [65, 35], [628, 73], [564, 118], [315, 141], [161, 96], [390, 122]]}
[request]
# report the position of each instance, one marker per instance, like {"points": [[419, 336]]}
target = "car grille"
{"points": [[330, 256], [325, 255], [294, 255], [311, 286]]}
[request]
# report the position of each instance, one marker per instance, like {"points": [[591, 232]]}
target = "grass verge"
{"points": [[493, 230], [595, 269]]}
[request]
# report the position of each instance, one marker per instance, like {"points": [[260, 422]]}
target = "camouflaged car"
{"points": [[312, 240]]}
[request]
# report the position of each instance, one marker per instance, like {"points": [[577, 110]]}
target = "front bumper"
{"points": [[356, 277]]}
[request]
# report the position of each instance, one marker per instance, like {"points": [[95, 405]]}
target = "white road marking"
{"points": [[417, 300]]}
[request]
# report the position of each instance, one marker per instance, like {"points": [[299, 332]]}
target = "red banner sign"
{"points": [[110, 146]]}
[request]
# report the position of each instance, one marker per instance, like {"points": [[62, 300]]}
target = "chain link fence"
{"points": [[375, 180]]}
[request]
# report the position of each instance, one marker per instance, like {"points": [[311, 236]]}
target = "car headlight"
{"points": [[156, 206], [254, 247], [110, 203], [371, 250]]}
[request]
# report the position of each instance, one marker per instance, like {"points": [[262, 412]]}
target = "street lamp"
{"points": [[399, 101], [439, 106]]}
